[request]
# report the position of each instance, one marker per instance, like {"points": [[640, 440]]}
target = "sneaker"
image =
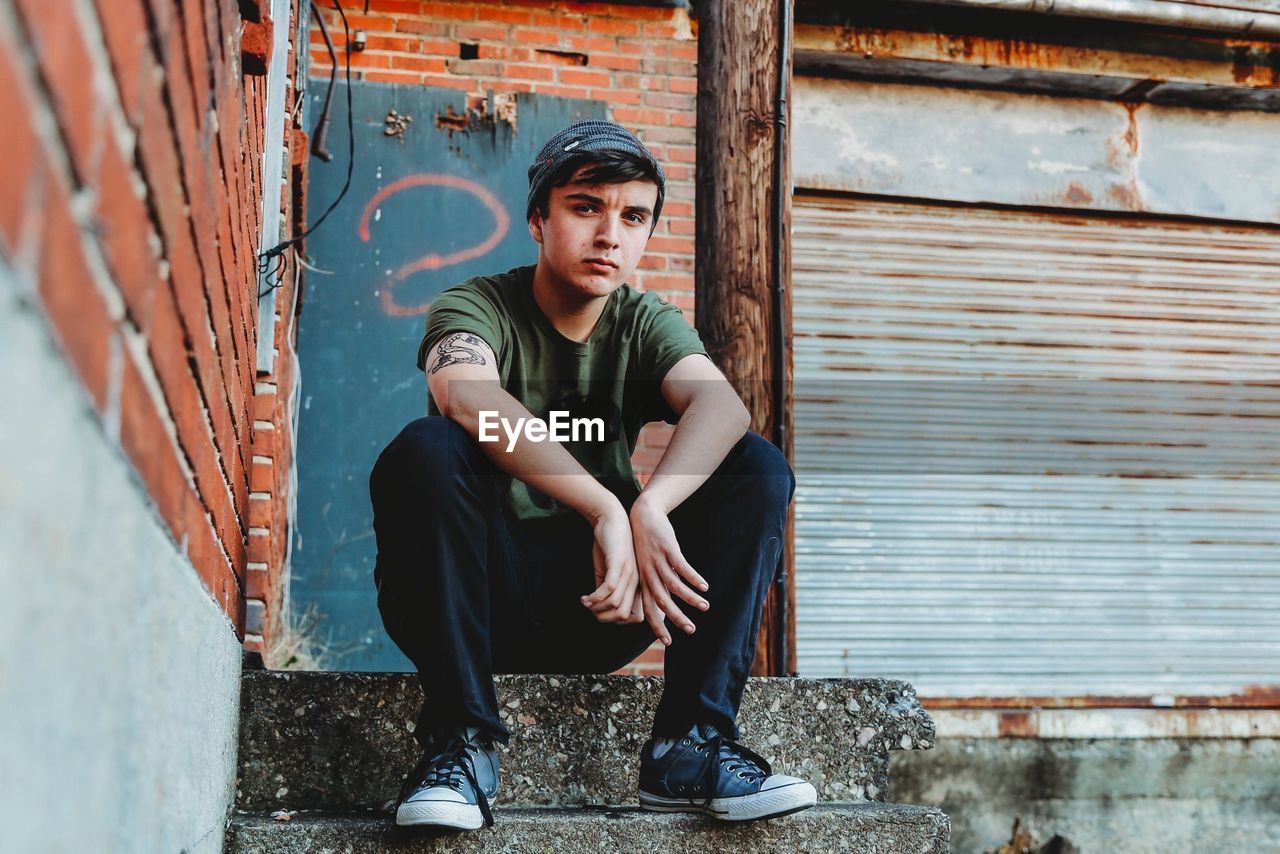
{"points": [[453, 785], [706, 771]]}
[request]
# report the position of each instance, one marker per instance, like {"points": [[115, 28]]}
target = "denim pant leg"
{"points": [[731, 531], [442, 548], [465, 591]]}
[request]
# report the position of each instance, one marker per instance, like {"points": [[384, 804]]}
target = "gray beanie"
{"points": [[589, 135]]}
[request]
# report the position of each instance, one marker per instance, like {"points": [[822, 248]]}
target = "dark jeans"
{"points": [[466, 590]]}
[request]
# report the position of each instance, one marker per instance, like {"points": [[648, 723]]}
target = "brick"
{"points": [[124, 29], [580, 77], [392, 43], [21, 169], [67, 71], [591, 44], [124, 227], [616, 96], [687, 51], [529, 72], [394, 7], [666, 101], [259, 549], [480, 32], [564, 91], [427, 28], [503, 15], [475, 67], [260, 477], [615, 61], [80, 318], [452, 11], [629, 116], [410, 77], [683, 85], [615, 27], [682, 154], [255, 586], [543, 37], [670, 244], [418, 63]]}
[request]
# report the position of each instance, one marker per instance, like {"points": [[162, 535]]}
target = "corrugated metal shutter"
{"points": [[1037, 453]]}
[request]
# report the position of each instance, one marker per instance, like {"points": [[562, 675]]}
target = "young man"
{"points": [[501, 552]]}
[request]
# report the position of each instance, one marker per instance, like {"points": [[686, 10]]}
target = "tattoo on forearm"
{"points": [[461, 348]]}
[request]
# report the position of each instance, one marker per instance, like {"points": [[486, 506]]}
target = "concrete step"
{"points": [[861, 828], [343, 741]]}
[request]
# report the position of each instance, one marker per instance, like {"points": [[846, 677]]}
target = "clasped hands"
{"points": [[639, 569]]}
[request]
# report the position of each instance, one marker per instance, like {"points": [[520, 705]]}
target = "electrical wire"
{"points": [[270, 262]]}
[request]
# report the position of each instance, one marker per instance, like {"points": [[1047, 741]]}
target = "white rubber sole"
{"points": [[440, 814], [773, 803]]}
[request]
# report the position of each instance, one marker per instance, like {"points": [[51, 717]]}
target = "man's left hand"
{"points": [[663, 570]]}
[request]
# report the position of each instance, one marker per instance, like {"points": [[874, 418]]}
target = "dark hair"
{"points": [[608, 167]]}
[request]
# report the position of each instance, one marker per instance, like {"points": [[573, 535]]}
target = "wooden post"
{"points": [[738, 138]]}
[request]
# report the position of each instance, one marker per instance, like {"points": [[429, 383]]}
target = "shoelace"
{"points": [[722, 749], [442, 768]]}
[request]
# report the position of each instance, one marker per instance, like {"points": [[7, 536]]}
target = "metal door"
{"points": [[437, 196]]}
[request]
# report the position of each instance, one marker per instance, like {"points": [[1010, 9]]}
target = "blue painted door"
{"points": [[433, 201]]}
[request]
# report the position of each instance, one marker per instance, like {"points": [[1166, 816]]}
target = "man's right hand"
{"points": [[615, 599]]}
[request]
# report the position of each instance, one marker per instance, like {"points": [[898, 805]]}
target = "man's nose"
{"points": [[607, 233]]}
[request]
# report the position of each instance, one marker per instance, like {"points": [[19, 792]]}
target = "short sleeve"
{"points": [[667, 339], [462, 309]]}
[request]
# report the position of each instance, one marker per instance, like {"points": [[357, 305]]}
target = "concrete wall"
{"points": [[119, 677], [1130, 791]]}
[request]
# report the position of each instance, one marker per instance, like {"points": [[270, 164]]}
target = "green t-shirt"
{"points": [[614, 375]]}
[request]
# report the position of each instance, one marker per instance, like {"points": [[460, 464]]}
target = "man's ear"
{"points": [[535, 225]]}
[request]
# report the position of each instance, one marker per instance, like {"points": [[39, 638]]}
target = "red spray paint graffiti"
{"points": [[432, 261]]}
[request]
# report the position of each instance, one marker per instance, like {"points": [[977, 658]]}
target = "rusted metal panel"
{"points": [[1019, 149], [1038, 453], [1106, 69]]}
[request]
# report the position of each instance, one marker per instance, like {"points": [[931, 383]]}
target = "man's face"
{"points": [[594, 234]]}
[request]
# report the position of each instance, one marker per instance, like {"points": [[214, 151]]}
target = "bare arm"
{"points": [[462, 375], [712, 420]]}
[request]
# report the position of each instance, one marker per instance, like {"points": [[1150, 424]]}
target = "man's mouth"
{"points": [[601, 265]]}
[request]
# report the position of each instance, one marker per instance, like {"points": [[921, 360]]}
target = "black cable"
{"points": [[265, 258]]}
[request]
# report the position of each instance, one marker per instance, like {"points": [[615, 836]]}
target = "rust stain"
{"points": [[1251, 697], [451, 120], [1126, 195], [478, 113], [1241, 67], [1017, 725], [1077, 195]]}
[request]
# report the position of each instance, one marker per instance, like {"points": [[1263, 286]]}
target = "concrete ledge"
{"points": [[865, 828], [343, 741]]}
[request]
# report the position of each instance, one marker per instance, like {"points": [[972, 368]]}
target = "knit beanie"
{"points": [[589, 135]]}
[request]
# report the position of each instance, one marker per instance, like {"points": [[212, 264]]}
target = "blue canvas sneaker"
{"points": [[706, 771], [453, 785]]}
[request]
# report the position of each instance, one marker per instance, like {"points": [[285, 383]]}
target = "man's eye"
{"points": [[638, 219], [585, 207]]}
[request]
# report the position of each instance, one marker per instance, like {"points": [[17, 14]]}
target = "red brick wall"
{"points": [[131, 207], [641, 61]]}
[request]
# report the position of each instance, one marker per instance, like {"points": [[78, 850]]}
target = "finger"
{"points": [[654, 617], [613, 581], [678, 587], [680, 565], [637, 608], [598, 598], [669, 608]]}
